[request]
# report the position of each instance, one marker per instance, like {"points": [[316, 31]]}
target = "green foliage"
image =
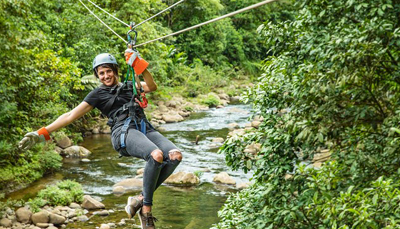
{"points": [[63, 193], [211, 100], [47, 54], [331, 84]]}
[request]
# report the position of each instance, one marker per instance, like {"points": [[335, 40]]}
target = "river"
{"points": [[174, 207]]}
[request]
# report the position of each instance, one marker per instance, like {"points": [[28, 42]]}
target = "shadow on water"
{"points": [[175, 207]]}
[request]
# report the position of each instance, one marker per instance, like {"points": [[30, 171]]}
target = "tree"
{"points": [[331, 84]]}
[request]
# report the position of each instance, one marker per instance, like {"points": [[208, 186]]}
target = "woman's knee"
{"points": [[175, 154], [157, 155]]}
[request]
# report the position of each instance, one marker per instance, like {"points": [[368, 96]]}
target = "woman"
{"points": [[140, 139]]}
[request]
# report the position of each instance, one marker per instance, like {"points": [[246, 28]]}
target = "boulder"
{"points": [[77, 151], [253, 148], [140, 171], [243, 185], [90, 203], [130, 184], [182, 179], [40, 217], [219, 140], [163, 108], [56, 219], [224, 102], [224, 178], [83, 218], [96, 130], [58, 150], [237, 132], [43, 225], [106, 130], [232, 126], [118, 190], [255, 124], [104, 226], [23, 215], [74, 206], [102, 213], [171, 103], [184, 113], [5, 222], [223, 96], [234, 99], [168, 118], [63, 141]]}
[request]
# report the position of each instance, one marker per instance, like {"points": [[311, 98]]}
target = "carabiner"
{"points": [[130, 41]]}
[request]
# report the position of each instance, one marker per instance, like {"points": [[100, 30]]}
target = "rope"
{"points": [[157, 13], [210, 21], [103, 22], [108, 13]]}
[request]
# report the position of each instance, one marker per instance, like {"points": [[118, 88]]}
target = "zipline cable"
{"points": [[126, 42], [210, 21], [173, 5], [108, 13]]}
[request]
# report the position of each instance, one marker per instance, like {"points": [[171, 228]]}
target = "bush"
{"points": [[211, 100], [63, 193]]}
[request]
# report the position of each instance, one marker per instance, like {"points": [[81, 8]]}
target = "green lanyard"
{"points": [[130, 69]]}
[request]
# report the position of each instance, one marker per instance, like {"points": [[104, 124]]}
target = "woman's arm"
{"points": [[69, 117], [149, 84]]}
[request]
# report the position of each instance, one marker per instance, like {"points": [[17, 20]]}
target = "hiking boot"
{"points": [[147, 220], [133, 205]]}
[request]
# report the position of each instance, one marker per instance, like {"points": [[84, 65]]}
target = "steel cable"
{"points": [[210, 21], [126, 42], [108, 13]]}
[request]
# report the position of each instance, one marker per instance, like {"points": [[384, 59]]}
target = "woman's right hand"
{"points": [[30, 139]]}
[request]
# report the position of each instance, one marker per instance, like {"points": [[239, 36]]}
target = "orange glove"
{"points": [[133, 58]]}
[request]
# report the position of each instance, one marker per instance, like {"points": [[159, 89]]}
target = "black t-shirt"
{"points": [[99, 97]]}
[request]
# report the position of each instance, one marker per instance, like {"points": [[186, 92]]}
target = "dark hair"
{"points": [[113, 67]]}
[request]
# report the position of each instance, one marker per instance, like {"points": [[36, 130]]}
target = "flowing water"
{"points": [[175, 207]]}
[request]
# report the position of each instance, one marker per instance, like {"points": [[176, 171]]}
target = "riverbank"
{"points": [[191, 204]]}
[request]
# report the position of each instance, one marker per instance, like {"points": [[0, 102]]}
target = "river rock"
{"points": [[5, 222], [253, 148], [56, 219], [77, 151], [118, 190], [83, 218], [63, 141], [163, 108], [130, 184], [59, 150], [105, 130], [40, 217], [224, 178], [85, 160], [184, 113], [223, 96], [42, 225], [237, 132], [102, 213], [23, 215], [182, 179], [52, 227], [234, 99], [218, 140], [90, 203], [96, 130], [255, 124], [243, 185], [140, 171], [171, 103], [104, 226], [224, 102], [232, 126], [169, 118], [74, 206]]}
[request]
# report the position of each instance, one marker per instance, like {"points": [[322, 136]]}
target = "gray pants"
{"points": [[141, 146]]}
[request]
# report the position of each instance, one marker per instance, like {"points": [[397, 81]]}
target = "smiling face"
{"points": [[106, 76]]}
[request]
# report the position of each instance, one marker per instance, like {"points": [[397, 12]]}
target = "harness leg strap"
{"points": [[123, 131]]}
